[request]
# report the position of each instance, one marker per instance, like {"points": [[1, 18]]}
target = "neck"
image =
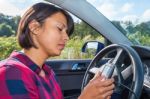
{"points": [[37, 56]]}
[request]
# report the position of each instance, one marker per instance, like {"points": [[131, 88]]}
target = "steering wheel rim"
{"points": [[138, 74]]}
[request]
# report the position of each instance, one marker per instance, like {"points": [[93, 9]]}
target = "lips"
{"points": [[61, 46]]}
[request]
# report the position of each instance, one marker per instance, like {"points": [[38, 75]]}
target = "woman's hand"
{"points": [[98, 88]]}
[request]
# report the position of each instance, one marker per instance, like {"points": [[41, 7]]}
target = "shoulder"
{"points": [[11, 69], [14, 75], [16, 80]]}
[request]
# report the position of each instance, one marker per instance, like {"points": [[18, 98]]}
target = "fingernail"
{"points": [[103, 79]]}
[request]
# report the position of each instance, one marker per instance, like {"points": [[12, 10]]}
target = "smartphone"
{"points": [[108, 70]]}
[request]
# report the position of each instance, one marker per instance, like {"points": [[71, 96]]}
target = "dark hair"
{"points": [[39, 12]]}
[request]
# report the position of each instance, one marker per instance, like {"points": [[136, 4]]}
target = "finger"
{"points": [[107, 82], [99, 83], [97, 76], [106, 95], [108, 88], [102, 90]]}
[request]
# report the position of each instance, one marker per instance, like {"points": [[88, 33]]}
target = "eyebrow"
{"points": [[63, 24]]}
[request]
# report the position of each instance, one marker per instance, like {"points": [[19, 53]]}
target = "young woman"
{"points": [[43, 32]]}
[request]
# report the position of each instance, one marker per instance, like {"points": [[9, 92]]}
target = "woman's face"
{"points": [[52, 37]]}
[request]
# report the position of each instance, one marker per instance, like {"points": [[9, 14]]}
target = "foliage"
{"points": [[10, 23], [6, 30], [143, 28], [138, 34], [7, 45], [130, 27], [82, 29], [72, 50], [140, 38]]}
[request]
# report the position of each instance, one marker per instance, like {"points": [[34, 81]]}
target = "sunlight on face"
{"points": [[53, 37]]}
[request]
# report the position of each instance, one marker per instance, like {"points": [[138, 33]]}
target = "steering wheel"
{"points": [[135, 67]]}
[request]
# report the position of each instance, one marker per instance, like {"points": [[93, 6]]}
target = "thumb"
{"points": [[97, 76]]}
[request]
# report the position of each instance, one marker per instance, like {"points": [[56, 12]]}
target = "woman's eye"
{"points": [[60, 29]]}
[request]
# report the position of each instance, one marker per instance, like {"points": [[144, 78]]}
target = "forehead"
{"points": [[58, 17]]}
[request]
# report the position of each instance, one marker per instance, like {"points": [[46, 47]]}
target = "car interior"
{"points": [[131, 61], [114, 56]]}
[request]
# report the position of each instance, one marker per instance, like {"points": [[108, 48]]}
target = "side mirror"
{"points": [[92, 47]]}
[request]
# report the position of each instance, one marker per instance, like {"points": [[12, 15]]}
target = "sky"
{"points": [[133, 10], [124, 10]]}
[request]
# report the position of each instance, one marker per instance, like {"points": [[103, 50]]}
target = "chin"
{"points": [[57, 53]]}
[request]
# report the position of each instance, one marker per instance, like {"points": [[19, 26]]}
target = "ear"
{"points": [[34, 26]]}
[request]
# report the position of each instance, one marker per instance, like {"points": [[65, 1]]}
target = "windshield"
{"points": [[131, 17]]}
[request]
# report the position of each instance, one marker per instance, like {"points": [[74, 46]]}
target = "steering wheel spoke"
{"points": [[119, 57]]}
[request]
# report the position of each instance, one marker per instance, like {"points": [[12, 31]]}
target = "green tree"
{"points": [[7, 45], [130, 27], [15, 21], [6, 30], [10, 20], [143, 28], [82, 29]]}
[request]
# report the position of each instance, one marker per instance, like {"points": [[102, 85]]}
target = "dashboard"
{"points": [[144, 53], [146, 65]]}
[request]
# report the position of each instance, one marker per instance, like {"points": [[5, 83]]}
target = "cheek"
{"points": [[50, 45], [49, 40]]}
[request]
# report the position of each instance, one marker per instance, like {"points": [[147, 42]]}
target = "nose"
{"points": [[66, 37]]}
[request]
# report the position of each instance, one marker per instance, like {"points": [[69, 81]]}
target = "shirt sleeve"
{"points": [[16, 83]]}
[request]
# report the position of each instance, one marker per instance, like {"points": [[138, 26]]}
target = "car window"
{"points": [[131, 17], [8, 27], [82, 33]]}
